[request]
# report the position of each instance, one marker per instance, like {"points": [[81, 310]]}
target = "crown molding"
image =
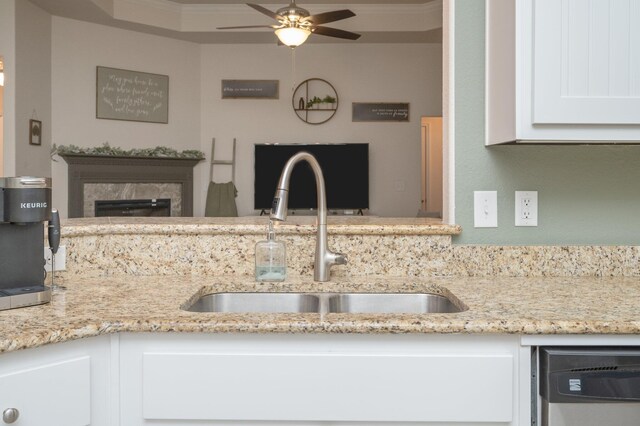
{"points": [[166, 14]]}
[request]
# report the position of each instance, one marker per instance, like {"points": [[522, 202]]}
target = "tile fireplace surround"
{"points": [[94, 178], [131, 191]]}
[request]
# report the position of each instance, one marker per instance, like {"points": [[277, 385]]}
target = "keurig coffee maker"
{"points": [[25, 204]]}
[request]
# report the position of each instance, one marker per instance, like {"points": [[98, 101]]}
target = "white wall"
{"points": [[7, 51], [33, 88], [77, 48], [1, 145], [1, 129], [359, 72]]}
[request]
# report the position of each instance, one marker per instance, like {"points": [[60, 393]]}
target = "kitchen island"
{"points": [[122, 336], [127, 342]]}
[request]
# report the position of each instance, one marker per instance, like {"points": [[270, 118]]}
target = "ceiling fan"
{"points": [[295, 24]]}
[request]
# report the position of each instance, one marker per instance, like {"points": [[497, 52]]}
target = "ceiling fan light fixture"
{"points": [[292, 36]]}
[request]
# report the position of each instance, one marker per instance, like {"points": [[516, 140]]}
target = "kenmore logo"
{"points": [[33, 205]]}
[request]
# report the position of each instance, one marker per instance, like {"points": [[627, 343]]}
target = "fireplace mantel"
{"points": [[85, 169]]}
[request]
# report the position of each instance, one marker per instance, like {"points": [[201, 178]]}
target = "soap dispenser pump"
{"points": [[271, 258]]}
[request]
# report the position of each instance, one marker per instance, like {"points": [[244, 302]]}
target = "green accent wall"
{"points": [[586, 194]]}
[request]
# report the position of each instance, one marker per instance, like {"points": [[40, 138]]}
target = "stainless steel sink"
{"points": [[391, 303], [371, 303], [257, 302]]}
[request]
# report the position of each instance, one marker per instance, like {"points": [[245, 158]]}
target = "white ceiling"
{"points": [[403, 21]]}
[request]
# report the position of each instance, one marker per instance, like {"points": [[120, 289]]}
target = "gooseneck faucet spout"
{"points": [[324, 258]]}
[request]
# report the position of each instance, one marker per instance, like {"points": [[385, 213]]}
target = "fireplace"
{"points": [[94, 192], [145, 208], [93, 178]]}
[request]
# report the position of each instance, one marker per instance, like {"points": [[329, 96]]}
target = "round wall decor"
{"points": [[315, 101]]}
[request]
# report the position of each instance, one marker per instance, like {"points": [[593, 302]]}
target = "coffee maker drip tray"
{"points": [[11, 298]]}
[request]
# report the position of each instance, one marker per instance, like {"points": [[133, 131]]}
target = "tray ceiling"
{"points": [[404, 21]]}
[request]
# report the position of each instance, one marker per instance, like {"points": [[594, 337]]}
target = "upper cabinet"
{"points": [[562, 71]]}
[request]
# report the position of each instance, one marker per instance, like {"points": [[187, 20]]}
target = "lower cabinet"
{"points": [[193, 379], [198, 379], [56, 385]]}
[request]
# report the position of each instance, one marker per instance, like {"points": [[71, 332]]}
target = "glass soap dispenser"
{"points": [[271, 258]]}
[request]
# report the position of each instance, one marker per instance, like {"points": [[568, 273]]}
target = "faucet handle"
{"points": [[339, 259]]}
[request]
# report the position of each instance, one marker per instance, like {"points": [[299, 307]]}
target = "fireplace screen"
{"points": [[152, 207]]}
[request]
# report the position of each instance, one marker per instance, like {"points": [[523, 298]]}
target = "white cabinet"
{"points": [[56, 385], [173, 379], [52, 394], [562, 71]]}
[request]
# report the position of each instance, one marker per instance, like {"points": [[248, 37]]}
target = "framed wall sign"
{"points": [[380, 111], [132, 95], [35, 132], [250, 89]]}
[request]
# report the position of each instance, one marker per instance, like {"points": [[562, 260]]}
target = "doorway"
{"points": [[431, 159]]}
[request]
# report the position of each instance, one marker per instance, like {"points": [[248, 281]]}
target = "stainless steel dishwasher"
{"points": [[590, 386]]}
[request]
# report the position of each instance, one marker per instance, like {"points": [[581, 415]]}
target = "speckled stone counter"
{"points": [[416, 247], [134, 275], [256, 225], [94, 307], [213, 246]]}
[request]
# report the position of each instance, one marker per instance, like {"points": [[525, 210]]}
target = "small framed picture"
{"points": [[35, 132]]}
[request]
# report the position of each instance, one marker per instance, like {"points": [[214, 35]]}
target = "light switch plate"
{"points": [[485, 209]]}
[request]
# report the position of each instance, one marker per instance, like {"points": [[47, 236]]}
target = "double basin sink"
{"points": [[365, 303]]}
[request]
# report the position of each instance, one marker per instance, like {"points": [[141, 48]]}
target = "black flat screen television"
{"points": [[345, 168]]}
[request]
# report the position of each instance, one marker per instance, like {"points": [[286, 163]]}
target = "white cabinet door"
{"points": [[328, 387], [56, 394], [62, 384], [562, 71], [171, 380], [586, 62]]}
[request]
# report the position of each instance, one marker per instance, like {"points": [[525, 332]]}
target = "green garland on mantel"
{"points": [[111, 151]]}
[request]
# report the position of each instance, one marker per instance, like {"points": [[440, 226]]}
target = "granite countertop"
{"points": [[346, 225], [91, 307]]}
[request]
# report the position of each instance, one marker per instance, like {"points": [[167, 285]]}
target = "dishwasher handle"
{"points": [[603, 386]]}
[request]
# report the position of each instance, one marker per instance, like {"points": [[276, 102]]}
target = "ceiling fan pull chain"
{"points": [[293, 69]]}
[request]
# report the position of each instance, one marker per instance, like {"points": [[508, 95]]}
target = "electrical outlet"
{"points": [[61, 259], [485, 209], [526, 208]]}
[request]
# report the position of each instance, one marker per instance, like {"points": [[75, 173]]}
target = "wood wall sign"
{"points": [[380, 111], [250, 89], [131, 95]]}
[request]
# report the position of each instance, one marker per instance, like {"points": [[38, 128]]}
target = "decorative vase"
{"points": [[301, 103]]}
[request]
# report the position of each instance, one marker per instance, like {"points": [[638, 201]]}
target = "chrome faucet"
{"points": [[324, 258]]}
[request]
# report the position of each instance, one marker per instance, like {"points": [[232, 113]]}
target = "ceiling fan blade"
{"points": [[334, 32], [265, 11], [245, 26], [324, 18]]}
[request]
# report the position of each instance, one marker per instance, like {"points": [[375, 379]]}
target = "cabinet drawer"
{"points": [[328, 387], [55, 394]]}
